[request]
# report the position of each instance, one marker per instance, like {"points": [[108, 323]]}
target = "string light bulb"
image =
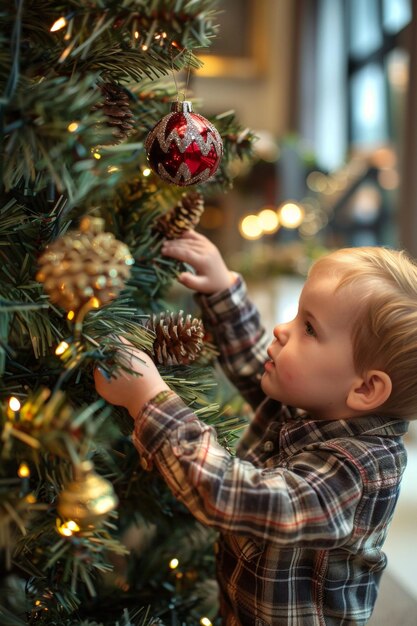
{"points": [[173, 564], [204, 621], [14, 404], [67, 529], [61, 347], [24, 470], [58, 24]]}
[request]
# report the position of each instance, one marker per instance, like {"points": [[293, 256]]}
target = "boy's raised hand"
{"points": [[211, 273], [131, 391]]}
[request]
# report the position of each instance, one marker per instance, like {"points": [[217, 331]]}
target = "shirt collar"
{"points": [[304, 430]]}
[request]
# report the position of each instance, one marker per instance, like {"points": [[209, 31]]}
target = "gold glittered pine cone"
{"points": [[84, 264], [184, 216], [115, 105], [178, 340]]}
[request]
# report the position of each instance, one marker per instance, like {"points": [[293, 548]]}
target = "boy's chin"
{"points": [[268, 388]]}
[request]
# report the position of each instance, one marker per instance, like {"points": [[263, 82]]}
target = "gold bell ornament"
{"points": [[85, 268], [88, 500]]}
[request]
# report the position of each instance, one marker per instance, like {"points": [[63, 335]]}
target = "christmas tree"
{"points": [[87, 536]]}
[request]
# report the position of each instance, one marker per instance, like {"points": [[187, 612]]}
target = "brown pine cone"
{"points": [[184, 216], [116, 108], [178, 340]]}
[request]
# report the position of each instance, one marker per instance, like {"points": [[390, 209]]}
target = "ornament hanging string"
{"points": [[187, 80]]}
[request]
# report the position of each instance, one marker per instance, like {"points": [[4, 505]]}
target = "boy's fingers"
{"points": [[192, 281]]}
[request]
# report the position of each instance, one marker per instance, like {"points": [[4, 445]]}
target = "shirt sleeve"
{"points": [[234, 322], [312, 501]]}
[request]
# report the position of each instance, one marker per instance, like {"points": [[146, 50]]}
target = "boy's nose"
{"points": [[281, 333]]}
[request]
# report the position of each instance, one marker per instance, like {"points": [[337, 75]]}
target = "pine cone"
{"points": [[84, 264], [184, 216], [178, 341], [116, 107]]}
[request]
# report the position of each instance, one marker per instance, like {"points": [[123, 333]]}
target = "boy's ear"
{"points": [[370, 391]]}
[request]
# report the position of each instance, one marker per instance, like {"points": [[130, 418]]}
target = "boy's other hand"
{"points": [[211, 273], [131, 391]]}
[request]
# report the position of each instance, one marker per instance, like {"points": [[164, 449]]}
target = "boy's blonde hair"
{"points": [[384, 330]]}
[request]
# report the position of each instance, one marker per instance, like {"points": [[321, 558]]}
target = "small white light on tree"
{"points": [[60, 23]]}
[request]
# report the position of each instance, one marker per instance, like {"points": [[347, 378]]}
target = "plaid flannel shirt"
{"points": [[302, 510]]}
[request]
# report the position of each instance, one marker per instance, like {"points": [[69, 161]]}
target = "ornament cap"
{"points": [[181, 107]]}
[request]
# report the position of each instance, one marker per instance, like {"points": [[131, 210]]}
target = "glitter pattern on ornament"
{"points": [[184, 148]]}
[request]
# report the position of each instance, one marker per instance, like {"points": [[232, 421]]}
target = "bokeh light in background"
{"points": [[268, 218], [290, 214], [250, 227]]}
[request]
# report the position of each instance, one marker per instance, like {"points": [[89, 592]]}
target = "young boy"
{"points": [[303, 509]]}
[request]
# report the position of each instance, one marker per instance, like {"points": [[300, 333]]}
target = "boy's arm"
{"points": [[228, 314], [314, 503]]}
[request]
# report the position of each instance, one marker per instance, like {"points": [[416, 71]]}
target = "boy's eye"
{"points": [[309, 329]]}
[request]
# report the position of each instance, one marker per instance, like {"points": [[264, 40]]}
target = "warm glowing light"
{"points": [[173, 564], [14, 404], [95, 303], [268, 219], [136, 34], [204, 621], [23, 471], [250, 227], [61, 347], [113, 168], [70, 315], [68, 528], [144, 47], [291, 215], [73, 127], [97, 155], [60, 23], [146, 171]]}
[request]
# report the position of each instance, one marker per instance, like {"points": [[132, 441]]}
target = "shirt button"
{"points": [[268, 446], [144, 463]]}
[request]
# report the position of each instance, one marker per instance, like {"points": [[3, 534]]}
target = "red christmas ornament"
{"points": [[183, 147]]}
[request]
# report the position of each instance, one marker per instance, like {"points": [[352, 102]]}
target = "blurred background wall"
{"points": [[329, 88]]}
